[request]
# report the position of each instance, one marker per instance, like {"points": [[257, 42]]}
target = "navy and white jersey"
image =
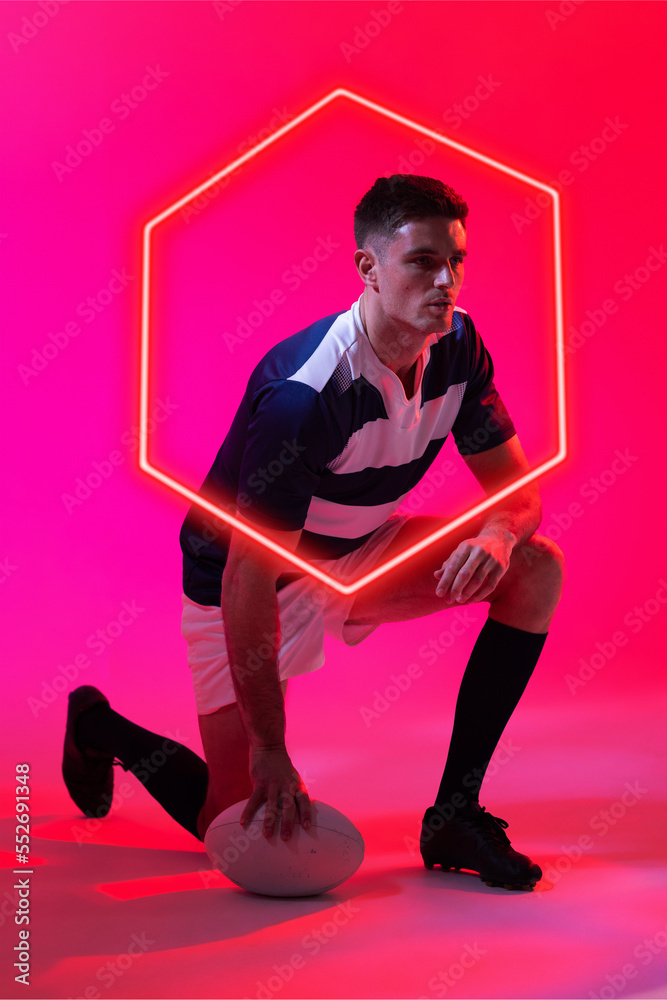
{"points": [[326, 441]]}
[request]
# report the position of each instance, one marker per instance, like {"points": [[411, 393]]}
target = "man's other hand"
{"points": [[475, 568], [276, 782]]}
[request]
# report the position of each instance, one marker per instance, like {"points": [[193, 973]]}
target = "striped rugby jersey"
{"points": [[325, 440]]}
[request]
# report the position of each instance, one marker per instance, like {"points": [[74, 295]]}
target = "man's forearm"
{"points": [[250, 615], [517, 518]]}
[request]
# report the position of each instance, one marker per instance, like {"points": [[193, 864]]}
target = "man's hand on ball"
{"points": [[276, 782], [475, 568]]}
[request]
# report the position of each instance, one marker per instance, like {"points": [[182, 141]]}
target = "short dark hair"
{"points": [[400, 198]]}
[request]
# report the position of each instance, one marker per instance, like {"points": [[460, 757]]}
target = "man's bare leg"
{"points": [[526, 597], [226, 750]]}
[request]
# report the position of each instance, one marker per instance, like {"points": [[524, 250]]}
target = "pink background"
{"points": [[220, 75]]}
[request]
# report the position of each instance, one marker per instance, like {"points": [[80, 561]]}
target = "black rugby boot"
{"points": [[88, 773], [474, 839]]}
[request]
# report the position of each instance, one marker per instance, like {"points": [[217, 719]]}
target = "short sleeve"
{"points": [[289, 442], [482, 421]]}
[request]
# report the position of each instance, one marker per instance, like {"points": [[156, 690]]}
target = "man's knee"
{"points": [[542, 563]]}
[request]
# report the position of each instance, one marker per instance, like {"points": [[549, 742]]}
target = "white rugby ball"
{"points": [[312, 861]]}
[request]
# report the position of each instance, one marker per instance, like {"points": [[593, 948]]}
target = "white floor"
{"points": [[129, 906]]}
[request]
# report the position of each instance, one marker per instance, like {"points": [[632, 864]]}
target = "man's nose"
{"points": [[445, 278]]}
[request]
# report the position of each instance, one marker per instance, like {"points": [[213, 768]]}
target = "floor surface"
{"points": [[130, 907]]}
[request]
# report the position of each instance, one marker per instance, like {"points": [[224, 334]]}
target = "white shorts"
{"points": [[307, 610]]}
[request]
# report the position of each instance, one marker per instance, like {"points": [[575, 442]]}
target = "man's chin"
{"points": [[442, 324]]}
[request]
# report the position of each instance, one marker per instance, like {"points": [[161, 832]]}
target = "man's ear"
{"points": [[365, 264]]}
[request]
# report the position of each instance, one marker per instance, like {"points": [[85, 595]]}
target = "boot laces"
{"points": [[494, 826]]}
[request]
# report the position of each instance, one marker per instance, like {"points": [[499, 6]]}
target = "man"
{"points": [[338, 423]]}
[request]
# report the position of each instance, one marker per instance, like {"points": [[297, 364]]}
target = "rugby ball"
{"points": [[312, 861]]}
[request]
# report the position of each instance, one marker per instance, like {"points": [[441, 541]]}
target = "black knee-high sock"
{"points": [[499, 668], [175, 776]]}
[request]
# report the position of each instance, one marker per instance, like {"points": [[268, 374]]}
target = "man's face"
{"points": [[419, 278]]}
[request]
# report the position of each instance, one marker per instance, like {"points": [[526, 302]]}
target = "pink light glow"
{"points": [[90, 531], [302, 564]]}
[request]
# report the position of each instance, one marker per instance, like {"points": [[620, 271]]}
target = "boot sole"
{"points": [[493, 883], [527, 887]]}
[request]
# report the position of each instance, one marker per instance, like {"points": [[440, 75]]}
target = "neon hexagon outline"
{"points": [[302, 564]]}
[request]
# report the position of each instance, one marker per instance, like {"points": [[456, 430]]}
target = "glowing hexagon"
{"points": [[478, 508]]}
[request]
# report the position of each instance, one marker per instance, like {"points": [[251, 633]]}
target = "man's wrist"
{"points": [[501, 532]]}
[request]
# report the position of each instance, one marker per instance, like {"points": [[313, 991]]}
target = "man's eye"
{"points": [[427, 260]]}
